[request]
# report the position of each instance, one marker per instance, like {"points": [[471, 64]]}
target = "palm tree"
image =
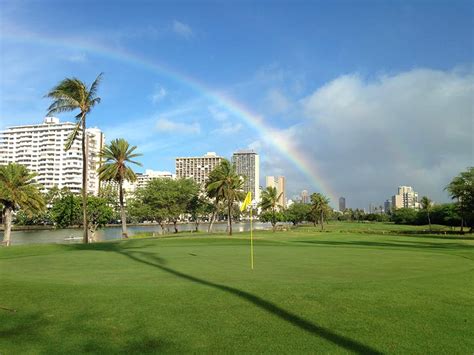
{"points": [[426, 204], [320, 207], [69, 95], [270, 202], [227, 186], [215, 192], [117, 155], [461, 188], [18, 191]]}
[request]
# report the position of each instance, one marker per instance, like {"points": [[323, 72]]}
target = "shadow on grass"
{"points": [[395, 244], [28, 333], [153, 260]]}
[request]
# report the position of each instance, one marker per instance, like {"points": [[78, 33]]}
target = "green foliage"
{"points": [[269, 204], [18, 191], [163, 200], [320, 209], [25, 219], [272, 217], [405, 216], [461, 188], [117, 155], [67, 211], [99, 212], [72, 94], [199, 207], [297, 213], [224, 184]]}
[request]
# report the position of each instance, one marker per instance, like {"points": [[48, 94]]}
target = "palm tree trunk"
{"points": [[7, 239], [175, 226], [213, 217], [123, 215], [85, 237], [273, 220], [229, 217], [211, 223], [429, 220], [322, 221]]}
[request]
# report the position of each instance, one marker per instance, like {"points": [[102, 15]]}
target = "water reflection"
{"points": [[70, 235]]}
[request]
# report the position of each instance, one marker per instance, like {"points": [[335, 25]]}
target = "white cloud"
{"points": [[182, 29], [276, 101], [166, 125], [159, 94], [218, 115], [77, 58], [226, 126], [369, 136]]}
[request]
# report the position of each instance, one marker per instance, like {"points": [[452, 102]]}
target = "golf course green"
{"points": [[353, 288]]}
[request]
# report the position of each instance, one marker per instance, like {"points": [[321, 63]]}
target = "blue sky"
{"points": [[372, 94]]}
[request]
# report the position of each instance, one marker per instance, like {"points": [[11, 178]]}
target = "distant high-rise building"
{"points": [[304, 196], [372, 208], [247, 164], [279, 183], [40, 147], [405, 198], [144, 178], [197, 168], [387, 206], [342, 204]]}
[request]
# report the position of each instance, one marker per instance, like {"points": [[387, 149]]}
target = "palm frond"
{"points": [[72, 136], [93, 89]]}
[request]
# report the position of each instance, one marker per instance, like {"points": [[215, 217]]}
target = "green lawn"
{"points": [[334, 292]]}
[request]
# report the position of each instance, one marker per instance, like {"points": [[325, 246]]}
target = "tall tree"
{"points": [[216, 193], [297, 213], [426, 204], [199, 207], [118, 155], [69, 95], [269, 203], [320, 207], [461, 188], [18, 191], [228, 186]]}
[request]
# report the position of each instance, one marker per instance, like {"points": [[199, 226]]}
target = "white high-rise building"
{"points": [[197, 168], [279, 183], [40, 147], [247, 164], [144, 178], [405, 198]]}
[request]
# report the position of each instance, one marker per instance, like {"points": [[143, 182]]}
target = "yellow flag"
{"points": [[247, 201]]}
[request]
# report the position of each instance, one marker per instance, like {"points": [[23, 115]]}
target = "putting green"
{"points": [[309, 292]]}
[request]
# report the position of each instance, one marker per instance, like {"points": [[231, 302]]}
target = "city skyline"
{"points": [[30, 135], [311, 104]]}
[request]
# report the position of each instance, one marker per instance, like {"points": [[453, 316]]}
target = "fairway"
{"points": [[310, 291]]}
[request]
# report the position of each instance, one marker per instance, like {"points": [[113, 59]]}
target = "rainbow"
{"points": [[308, 167]]}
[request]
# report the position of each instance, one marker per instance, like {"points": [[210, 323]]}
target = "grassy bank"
{"points": [[338, 291]]}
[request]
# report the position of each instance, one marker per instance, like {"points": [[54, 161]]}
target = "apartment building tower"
{"points": [[405, 198], [342, 204], [247, 164], [305, 196], [40, 147], [279, 183], [197, 168]]}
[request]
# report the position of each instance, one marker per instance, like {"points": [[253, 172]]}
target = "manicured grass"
{"points": [[338, 291]]}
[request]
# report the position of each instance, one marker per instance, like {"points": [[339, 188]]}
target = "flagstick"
{"points": [[251, 238]]}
